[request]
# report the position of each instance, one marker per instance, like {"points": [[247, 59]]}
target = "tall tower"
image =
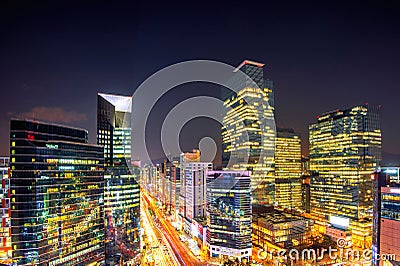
{"points": [[345, 148], [56, 183], [121, 189], [288, 169], [248, 131]]}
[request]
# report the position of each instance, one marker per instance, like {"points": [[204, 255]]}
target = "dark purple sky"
{"points": [[56, 55]]}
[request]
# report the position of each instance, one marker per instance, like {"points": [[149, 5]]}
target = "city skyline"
{"points": [[314, 70], [221, 133]]}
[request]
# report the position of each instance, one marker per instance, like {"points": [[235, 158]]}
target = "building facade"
{"points": [[5, 211], [345, 148], [386, 223], [185, 158], [288, 169], [56, 183], [121, 190], [248, 131], [229, 214], [195, 178]]}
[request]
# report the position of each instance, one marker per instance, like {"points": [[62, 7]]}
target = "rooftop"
{"points": [[121, 103], [249, 62]]}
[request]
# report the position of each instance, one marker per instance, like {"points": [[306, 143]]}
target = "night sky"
{"points": [[56, 56]]}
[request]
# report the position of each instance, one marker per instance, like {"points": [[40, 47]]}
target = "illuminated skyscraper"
{"points": [[229, 214], [121, 190], [248, 130], [345, 148], [288, 169], [56, 183]]}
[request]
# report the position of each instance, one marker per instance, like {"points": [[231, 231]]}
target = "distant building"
{"points": [[306, 190], [287, 169], [121, 191], [229, 214], [386, 223], [57, 185], [170, 186], [345, 147], [281, 229], [248, 131], [5, 211]]}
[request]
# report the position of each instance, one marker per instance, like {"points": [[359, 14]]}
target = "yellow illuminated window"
{"points": [[13, 159], [13, 144]]}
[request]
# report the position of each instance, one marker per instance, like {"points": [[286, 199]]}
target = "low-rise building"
{"points": [[281, 229]]}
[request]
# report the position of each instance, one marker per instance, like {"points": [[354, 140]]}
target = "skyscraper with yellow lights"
{"points": [[345, 148], [248, 132], [288, 169]]}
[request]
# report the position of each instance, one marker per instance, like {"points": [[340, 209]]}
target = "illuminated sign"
{"points": [[52, 146], [391, 170], [337, 221]]}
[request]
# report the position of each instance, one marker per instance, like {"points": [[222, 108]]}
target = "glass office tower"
{"points": [[345, 148], [248, 129], [121, 189], [56, 183], [229, 214], [288, 169]]}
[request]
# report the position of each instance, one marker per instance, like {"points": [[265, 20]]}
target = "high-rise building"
{"points": [[345, 147], [386, 222], [121, 189], [195, 194], [229, 214], [56, 183], [287, 169], [5, 211], [248, 131], [185, 157]]}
